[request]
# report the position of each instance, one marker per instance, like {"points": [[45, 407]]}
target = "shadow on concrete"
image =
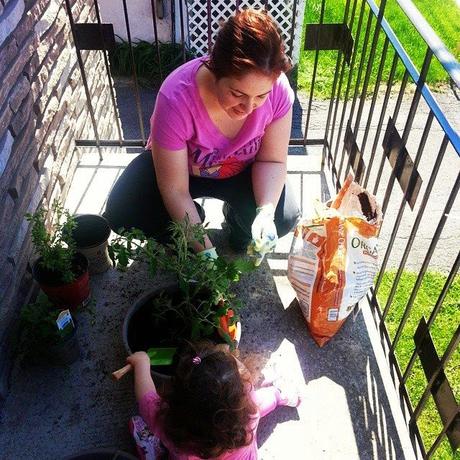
{"points": [[132, 115], [344, 415], [345, 394], [268, 424]]}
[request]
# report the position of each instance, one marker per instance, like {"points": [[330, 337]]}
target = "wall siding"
{"points": [[42, 112]]}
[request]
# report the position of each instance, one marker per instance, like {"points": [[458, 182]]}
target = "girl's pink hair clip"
{"points": [[196, 360]]}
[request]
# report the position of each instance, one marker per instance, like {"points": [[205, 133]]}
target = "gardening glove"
{"points": [[209, 254], [264, 235]]}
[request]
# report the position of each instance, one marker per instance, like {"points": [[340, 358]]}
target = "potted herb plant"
{"points": [[49, 334], [199, 304], [60, 270]]}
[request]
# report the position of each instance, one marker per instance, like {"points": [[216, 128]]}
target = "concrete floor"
{"points": [[349, 410]]}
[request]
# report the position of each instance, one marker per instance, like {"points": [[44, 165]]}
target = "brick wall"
{"points": [[42, 111]]}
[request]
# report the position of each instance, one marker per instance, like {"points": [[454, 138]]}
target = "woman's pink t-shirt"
{"points": [[180, 120]]}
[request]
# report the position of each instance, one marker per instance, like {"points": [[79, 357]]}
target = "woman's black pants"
{"points": [[135, 201]]}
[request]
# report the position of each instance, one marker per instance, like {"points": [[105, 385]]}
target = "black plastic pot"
{"points": [[102, 454], [66, 351], [91, 237], [139, 334], [61, 353]]}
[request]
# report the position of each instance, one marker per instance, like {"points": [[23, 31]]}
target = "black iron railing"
{"points": [[419, 165], [399, 143]]}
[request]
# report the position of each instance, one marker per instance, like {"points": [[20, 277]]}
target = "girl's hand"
{"points": [[140, 358], [143, 382]]}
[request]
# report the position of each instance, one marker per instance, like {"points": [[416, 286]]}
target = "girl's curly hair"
{"points": [[208, 409]]}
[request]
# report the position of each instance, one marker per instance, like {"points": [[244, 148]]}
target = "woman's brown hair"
{"points": [[248, 41], [208, 410]]}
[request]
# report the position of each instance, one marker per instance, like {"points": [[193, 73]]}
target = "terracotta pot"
{"points": [[66, 295], [91, 237], [139, 334]]}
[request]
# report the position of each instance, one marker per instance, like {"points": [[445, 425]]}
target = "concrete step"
{"points": [[349, 410]]}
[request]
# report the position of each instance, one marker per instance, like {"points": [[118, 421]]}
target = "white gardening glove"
{"points": [[264, 235], [208, 254]]}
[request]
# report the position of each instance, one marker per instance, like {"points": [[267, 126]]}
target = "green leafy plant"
{"points": [[38, 320], [55, 245], [204, 285], [150, 70]]}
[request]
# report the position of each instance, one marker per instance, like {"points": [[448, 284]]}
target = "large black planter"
{"points": [[102, 454], [139, 333]]}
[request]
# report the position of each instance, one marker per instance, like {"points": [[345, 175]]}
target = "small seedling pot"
{"points": [[62, 352], [91, 237], [139, 334], [66, 295], [65, 351]]}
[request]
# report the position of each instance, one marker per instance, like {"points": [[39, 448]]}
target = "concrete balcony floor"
{"points": [[349, 410]]}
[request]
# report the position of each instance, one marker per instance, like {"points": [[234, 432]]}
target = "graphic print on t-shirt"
{"points": [[220, 164]]}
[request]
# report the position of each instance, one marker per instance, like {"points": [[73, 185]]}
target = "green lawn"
{"points": [[443, 15], [442, 331]]}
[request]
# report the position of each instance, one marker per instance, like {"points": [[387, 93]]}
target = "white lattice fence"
{"points": [[281, 11]]}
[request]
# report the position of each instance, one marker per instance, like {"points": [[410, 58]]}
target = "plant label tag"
{"points": [[64, 319]]}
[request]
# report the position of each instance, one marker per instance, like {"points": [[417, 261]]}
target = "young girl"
{"points": [[211, 410]]}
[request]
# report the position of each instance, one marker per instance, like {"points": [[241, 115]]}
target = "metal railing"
{"points": [[358, 119], [97, 35], [400, 145]]}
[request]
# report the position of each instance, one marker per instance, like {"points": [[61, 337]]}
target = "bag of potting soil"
{"points": [[333, 261]]}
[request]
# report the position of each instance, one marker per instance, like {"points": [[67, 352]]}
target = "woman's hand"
{"points": [[268, 180], [264, 234]]}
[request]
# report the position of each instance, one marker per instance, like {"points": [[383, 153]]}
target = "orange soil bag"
{"points": [[333, 261]]}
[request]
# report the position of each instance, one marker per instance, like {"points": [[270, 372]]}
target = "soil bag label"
{"points": [[334, 259], [362, 263]]}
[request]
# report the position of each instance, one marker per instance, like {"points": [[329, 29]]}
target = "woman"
{"points": [[220, 129]]}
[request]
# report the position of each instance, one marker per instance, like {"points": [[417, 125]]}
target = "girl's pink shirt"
{"points": [[266, 399], [180, 121]]}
